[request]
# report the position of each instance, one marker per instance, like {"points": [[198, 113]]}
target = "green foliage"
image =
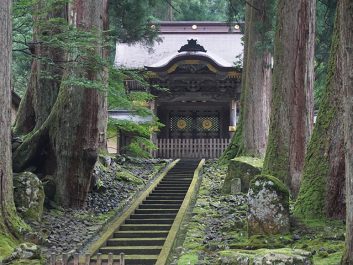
{"points": [[236, 10], [22, 34], [192, 10], [325, 15], [130, 20], [137, 102]]}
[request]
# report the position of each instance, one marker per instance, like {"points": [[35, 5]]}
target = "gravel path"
{"points": [[116, 181]]}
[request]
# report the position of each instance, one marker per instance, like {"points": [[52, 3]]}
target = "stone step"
{"points": [[171, 186], [131, 250], [159, 206], [131, 259], [149, 221], [156, 211], [144, 233], [176, 181], [184, 189], [167, 195], [170, 191], [153, 216], [153, 201], [141, 234], [145, 227], [125, 241], [174, 185]]}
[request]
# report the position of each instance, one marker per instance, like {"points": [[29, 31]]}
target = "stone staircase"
{"points": [[143, 234]]}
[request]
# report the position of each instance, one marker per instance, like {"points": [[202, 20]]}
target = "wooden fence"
{"points": [[77, 259], [190, 148]]}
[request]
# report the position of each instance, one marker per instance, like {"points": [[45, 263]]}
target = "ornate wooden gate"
{"points": [[194, 124]]}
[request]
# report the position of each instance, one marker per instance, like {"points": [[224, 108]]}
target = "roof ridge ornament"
{"points": [[192, 46]]}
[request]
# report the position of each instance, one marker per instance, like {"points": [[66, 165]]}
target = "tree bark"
{"points": [[252, 129], [66, 144], [257, 84], [236, 145], [9, 222], [322, 189], [292, 91], [346, 9]]}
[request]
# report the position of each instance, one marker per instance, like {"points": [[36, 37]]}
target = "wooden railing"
{"points": [[77, 259], [190, 148]]}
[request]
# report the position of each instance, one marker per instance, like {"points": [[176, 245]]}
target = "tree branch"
{"points": [[172, 6], [251, 5]]}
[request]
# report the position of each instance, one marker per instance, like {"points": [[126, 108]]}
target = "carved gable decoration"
{"points": [[192, 46], [192, 69]]}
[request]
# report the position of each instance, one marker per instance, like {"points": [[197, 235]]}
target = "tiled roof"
{"points": [[222, 43]]}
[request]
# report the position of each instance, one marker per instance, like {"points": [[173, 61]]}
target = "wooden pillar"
{"points": [[118, 141], [233, 117], [153, 137]]}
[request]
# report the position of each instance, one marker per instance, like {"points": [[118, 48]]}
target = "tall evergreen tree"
{"points": [[292, 91], [346, 11], [252, 128], [322, 189], [65, 145], [256, 87], [9, 222]]}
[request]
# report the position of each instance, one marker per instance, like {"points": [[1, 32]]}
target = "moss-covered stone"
{"points": [[24, 253], [244, 168], [28, 195], [268, 206], [265, 256], [125, 175]]}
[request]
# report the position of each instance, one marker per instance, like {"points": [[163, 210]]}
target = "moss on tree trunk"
{"points": [[322, 189], [10, 223], [66, 144], [346, 35], [292, 91]]}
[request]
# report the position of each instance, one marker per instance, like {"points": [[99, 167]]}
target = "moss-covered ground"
{"points": [[7, 245], [218, 228]]}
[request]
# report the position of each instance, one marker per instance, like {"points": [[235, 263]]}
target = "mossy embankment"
{"points": [[218, 228]]}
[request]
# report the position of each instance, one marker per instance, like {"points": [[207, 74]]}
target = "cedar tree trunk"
{"points": [[252, 128], [346, 9], [66, 144], [257, 83], [292, 91], [322, 189], [9, 222], [236, 145]]}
